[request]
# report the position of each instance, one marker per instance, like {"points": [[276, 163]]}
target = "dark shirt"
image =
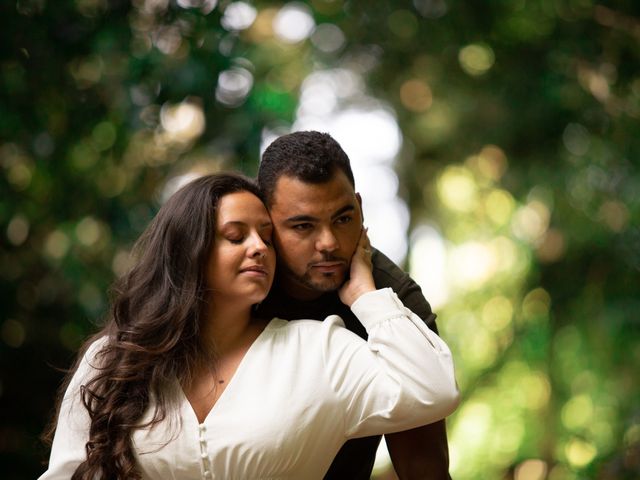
{"points": [[355, 459]]}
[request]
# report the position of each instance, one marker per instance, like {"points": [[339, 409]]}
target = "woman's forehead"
{"points": [[242, 207]]}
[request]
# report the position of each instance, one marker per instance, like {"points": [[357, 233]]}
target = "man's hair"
{"points": [[312, 157]]}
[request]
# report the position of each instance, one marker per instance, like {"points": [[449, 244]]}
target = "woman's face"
{"points": [[242, 260]]}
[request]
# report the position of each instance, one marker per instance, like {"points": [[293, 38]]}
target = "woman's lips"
{"points": [[256, 270]]}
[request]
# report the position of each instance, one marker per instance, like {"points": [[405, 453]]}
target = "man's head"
{"points": [[308, 185]]}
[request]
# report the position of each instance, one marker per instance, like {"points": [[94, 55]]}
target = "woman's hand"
{"points": [[361, 273]]}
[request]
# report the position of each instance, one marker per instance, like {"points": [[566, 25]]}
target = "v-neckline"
{"points": [[230, 382]]}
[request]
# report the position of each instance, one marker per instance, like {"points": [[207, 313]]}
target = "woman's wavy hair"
{"points": [[153, 332]]}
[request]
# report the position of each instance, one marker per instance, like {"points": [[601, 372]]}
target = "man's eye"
{"points": [[344, 219], [302, 226]]}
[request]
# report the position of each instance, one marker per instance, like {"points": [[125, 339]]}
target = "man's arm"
{"points": [[421, 453]]}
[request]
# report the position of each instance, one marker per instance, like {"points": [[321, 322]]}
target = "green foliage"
{"points": [[521, 145]]}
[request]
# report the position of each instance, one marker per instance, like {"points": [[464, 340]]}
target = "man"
{"points": [[309, 189]]}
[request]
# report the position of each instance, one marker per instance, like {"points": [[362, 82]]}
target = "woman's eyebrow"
{"points": [[239, 223]]}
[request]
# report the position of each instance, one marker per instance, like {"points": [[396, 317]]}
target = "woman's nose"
{"points": [[258, 247]]}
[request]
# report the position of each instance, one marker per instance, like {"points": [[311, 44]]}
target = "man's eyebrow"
{"points": [[343, 210], [309, 218], [301, 218]]}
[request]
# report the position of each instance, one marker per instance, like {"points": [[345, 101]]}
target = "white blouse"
{"points": [[303, 388]]}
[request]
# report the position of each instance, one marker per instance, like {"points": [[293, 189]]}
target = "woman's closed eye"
{"points": [[236, 239]]}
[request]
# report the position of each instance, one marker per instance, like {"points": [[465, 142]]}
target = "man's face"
{"points": [[316, 231]]}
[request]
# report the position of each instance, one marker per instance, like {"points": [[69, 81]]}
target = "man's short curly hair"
{"points": [[309, 156]]}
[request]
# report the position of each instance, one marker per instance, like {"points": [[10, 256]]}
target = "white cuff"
{"points": [[374, 307]]}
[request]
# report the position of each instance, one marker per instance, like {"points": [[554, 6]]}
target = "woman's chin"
{"points": [[256, 298]]}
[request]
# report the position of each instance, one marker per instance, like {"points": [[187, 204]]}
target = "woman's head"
{"points": [[178, 254]]}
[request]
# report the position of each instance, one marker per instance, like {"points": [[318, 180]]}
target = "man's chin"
{"points": [[318, 286], [310, 286], [328, 284]]}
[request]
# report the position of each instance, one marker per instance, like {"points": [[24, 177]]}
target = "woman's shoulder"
{"points": [[88, 364], [96, 345], [91, 353], [302, 324], [307, 331]]}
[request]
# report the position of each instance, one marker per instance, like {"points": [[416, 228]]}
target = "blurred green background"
{"points": [[496, 145]]}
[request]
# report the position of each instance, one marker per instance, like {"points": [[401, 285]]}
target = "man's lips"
{"points": [[332, 266]]}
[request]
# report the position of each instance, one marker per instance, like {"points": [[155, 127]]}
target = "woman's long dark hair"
{"points": [[153, 332]]}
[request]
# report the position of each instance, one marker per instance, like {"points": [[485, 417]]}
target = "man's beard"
{"points": [[326, 282]]}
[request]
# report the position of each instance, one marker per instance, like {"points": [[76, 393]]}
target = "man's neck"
{"points": [[297, 291]]}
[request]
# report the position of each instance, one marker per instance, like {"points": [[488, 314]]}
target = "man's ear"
{"points": [[360, 204]]}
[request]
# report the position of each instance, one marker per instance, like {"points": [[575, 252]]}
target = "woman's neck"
{"points": [[226, 326]]}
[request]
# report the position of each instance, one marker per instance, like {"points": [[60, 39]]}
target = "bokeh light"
{"points": [[328, 38], [476, 59], [182, 122], [233, 86], [416, 95], [457, 189], [293, 23], [238, 16]]}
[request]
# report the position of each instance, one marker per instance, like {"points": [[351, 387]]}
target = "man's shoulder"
{"points": [[386, 273]]}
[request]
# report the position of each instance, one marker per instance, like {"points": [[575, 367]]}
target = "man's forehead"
{"points": [[337, 185], [294, 194]]}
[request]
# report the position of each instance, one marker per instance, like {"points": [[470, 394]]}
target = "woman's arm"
{"points": [[401, 378]]}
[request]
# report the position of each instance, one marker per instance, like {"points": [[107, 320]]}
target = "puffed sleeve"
{"points": [[72, 427], [401, 378]]}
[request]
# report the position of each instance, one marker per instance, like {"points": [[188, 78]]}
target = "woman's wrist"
{"points": [[354, 292]]}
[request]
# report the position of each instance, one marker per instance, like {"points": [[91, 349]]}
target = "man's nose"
{"points": [[326, 241]]}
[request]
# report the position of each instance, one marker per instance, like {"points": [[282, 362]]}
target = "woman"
{"points": [[184, 382]]}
